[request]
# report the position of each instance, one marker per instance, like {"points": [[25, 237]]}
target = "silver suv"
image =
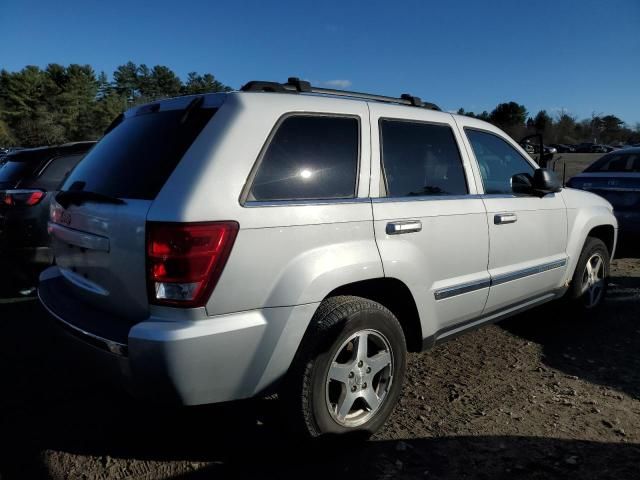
{"points": [[301, 240]]}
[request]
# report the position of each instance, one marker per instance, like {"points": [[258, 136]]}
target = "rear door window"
{"points": [[421, 159], [55, 172], [309, 157], [136, 157]]}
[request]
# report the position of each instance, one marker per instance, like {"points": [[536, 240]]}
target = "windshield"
{"points": [[617, 163], [136, 157]]}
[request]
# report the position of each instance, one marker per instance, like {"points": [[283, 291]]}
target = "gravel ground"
{"points": [[538, 396]]}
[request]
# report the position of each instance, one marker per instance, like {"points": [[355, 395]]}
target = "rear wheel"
{"points": [[349, 370], [590, 279]]}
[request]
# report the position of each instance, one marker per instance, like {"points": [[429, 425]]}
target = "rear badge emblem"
{"points": [[65, 218]]}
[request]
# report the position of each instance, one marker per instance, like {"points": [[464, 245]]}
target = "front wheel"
{"points": [[349, 370], [590, 279]]}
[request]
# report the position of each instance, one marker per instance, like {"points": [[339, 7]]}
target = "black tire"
{"points": [[576, 296], [306, 394]]}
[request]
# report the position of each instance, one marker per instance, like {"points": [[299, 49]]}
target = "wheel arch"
{"points": [[595, 222], [395, 296], [607, 234]]}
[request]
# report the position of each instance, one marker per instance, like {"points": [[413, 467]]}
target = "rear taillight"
{"points": [[185, 260], [21, 198]]}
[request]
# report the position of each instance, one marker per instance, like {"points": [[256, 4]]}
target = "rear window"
{"points": [[12, 172], [309, 157], [135, 159], [618, 163]]}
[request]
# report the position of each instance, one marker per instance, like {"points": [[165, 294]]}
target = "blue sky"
{"points": [[581, 55]]}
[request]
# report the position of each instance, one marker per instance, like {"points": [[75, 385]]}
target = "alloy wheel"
{"points": [[593, 281], [359, 378]]}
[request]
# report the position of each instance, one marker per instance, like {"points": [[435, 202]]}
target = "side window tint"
{"points": [[309, 157], [617, 162], [421, 159], [498, 161], [56, 172]]}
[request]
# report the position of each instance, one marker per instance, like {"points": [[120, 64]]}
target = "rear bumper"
{"points": [[189, 362]]}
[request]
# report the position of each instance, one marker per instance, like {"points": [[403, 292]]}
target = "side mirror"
{"points": [[522, 183], [540, 184], [546, 181]]}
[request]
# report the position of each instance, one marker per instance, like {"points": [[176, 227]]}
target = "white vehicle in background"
{"points": [[297, 239]]}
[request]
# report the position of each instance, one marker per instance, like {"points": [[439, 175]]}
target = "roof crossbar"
{"points": [[295, 85]]}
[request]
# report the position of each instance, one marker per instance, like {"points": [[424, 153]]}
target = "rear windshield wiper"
{"points": [[78, 197]]}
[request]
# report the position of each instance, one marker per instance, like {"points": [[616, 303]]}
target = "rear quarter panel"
{"points": [[285, 253]]}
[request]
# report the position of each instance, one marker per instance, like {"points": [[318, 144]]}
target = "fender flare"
{"points": [[585, 221]]}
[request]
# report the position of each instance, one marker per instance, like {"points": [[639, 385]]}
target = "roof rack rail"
{"points": [[295, 85]]}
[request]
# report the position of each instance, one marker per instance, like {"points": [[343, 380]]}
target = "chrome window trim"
{"points": [[46, 165], [424, 198], [501, 195], [513, 195], [455, 290], [302, 203], [329, 201]]}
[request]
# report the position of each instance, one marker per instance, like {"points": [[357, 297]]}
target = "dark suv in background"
{"points": [[616, 177], [28, 180]]}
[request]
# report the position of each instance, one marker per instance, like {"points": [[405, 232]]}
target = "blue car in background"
{"points": [[616, 177]]}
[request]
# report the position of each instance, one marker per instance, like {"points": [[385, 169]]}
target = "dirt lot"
{"points": [[537, 396]]}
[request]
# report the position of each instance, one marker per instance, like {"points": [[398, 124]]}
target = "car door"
{"points": [[430, 226], [527, 233]]}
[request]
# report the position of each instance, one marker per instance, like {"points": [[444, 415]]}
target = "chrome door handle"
{"points": [[502, 218], [408, 226]]}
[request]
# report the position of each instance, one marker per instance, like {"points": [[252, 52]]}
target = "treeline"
{"points": [[68, 103], [514, 119]]}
